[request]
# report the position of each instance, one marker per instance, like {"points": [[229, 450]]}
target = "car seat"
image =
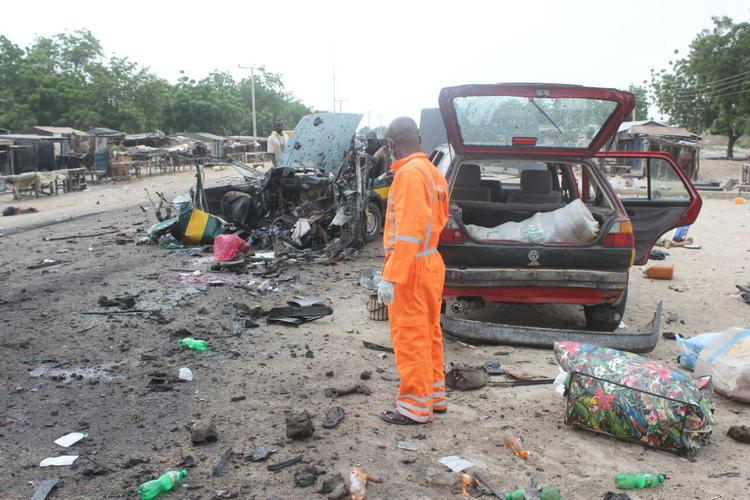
{"points": [[536, 187], [468, 184]]}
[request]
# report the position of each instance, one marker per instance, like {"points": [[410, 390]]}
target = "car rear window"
{"points": [[541, 122]]}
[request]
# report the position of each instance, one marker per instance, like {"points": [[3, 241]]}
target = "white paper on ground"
{"points": [[455, 463], [58, 461], [70, 439], [186, 374]]}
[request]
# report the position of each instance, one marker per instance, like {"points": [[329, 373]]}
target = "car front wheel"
{"points": [[603, 317], [373, 220]]}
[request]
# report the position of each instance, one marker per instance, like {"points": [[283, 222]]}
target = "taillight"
{"points": [[452, 233], [620, 235]]}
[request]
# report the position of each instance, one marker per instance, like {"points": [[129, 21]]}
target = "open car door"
{"points": [[655, 192]]}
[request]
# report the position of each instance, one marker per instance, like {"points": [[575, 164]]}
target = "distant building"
{"points": [[52, 155], [105, 139], [650, 135], [215, 143]]}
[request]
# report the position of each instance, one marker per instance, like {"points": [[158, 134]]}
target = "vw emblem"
{"points": [[533, 255]]}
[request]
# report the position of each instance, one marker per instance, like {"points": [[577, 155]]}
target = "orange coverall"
{"points": [[417, 212]]}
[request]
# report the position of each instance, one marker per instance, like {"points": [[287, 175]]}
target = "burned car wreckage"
{"points": [[312, 203]]}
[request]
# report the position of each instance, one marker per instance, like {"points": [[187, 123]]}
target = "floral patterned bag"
{"points": [[635, 398]]}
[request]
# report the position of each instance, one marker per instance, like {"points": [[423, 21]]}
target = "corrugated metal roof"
{"points": [[203, 136], [663, 131], [59, 130], [624, 126], [31, 137], [105, 131], [145, 135]]}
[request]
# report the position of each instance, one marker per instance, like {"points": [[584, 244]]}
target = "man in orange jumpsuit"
{"points": [[413, 276]]}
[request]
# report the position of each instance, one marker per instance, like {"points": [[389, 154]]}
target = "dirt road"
{"points": [[64, 371]]}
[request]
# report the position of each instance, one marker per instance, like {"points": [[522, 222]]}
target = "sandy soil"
{"points": [[719, 170], [135, 434]]}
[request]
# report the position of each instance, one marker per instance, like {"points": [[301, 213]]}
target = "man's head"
{"points": [[403, 137], [278, 125], [372, 143]]}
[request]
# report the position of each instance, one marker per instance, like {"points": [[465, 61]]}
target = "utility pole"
{"points": [[252, 100], [334, 87]]}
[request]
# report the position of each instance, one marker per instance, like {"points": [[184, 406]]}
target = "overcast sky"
{"points": [[391, 57]]}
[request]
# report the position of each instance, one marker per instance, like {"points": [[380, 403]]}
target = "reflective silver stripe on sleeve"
{"points": [[437, 385], [439, 395], [392, 235], [410, 239]]}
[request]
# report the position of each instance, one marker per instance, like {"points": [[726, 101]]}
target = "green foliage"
{"points": [[271, 101], [709, 89], [641, 102], [65, 80]]}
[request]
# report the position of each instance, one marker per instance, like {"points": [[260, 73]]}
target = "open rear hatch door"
{"points": [[655, 192], [533, 119]]}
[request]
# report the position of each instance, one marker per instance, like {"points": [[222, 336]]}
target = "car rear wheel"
{"points": [[603, 317], [373, 220]]}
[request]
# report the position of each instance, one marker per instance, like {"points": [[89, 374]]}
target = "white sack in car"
{"points": [[572, 222]]}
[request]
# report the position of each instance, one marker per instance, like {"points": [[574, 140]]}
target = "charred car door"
{"points": [[655, 192]]}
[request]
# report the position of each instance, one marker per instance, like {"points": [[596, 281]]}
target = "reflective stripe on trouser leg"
{"points": [[412, 345]]}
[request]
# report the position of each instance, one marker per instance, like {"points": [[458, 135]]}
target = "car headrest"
{"points": [[536, 181], [469, 175]]}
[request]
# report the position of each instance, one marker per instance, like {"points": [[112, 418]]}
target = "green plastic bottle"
{"points": [[196, 345], [639, 481], [519, 494], [547, 493], [544, 494], [166, 482]]}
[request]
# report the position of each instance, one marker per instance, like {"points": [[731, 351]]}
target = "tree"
{"points": [[641, 102], [271, 102], [66, 80], [709, 89]]}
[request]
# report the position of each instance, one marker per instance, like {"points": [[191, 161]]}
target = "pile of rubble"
{"points": [[311, 206]]}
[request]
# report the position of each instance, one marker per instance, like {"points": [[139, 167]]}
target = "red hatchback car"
{"points": [[533, 217]]}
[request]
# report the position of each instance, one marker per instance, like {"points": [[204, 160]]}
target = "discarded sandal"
{"points": [[334, 416], [393, 417]]}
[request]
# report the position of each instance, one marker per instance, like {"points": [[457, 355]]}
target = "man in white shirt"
{"points": [[276, 142]]}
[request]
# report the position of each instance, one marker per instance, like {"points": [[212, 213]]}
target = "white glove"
{"points": [[386, 290]]}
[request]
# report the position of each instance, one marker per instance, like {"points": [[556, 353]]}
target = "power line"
{"points": [[720, 80], [698, 97], [718, 88]]}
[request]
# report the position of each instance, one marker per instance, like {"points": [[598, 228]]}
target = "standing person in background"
{"points": [[276, 142], [377, 149], [413, 276]]}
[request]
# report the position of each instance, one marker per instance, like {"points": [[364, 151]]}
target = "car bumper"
{"points": [[536, 286]]}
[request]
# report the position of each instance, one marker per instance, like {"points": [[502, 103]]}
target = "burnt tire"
{"points": [[603, 317], [373, 221]]}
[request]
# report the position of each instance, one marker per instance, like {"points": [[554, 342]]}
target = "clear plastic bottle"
{"points": [[195, 345], [639, 481], [165, 482], [370, 278]]}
